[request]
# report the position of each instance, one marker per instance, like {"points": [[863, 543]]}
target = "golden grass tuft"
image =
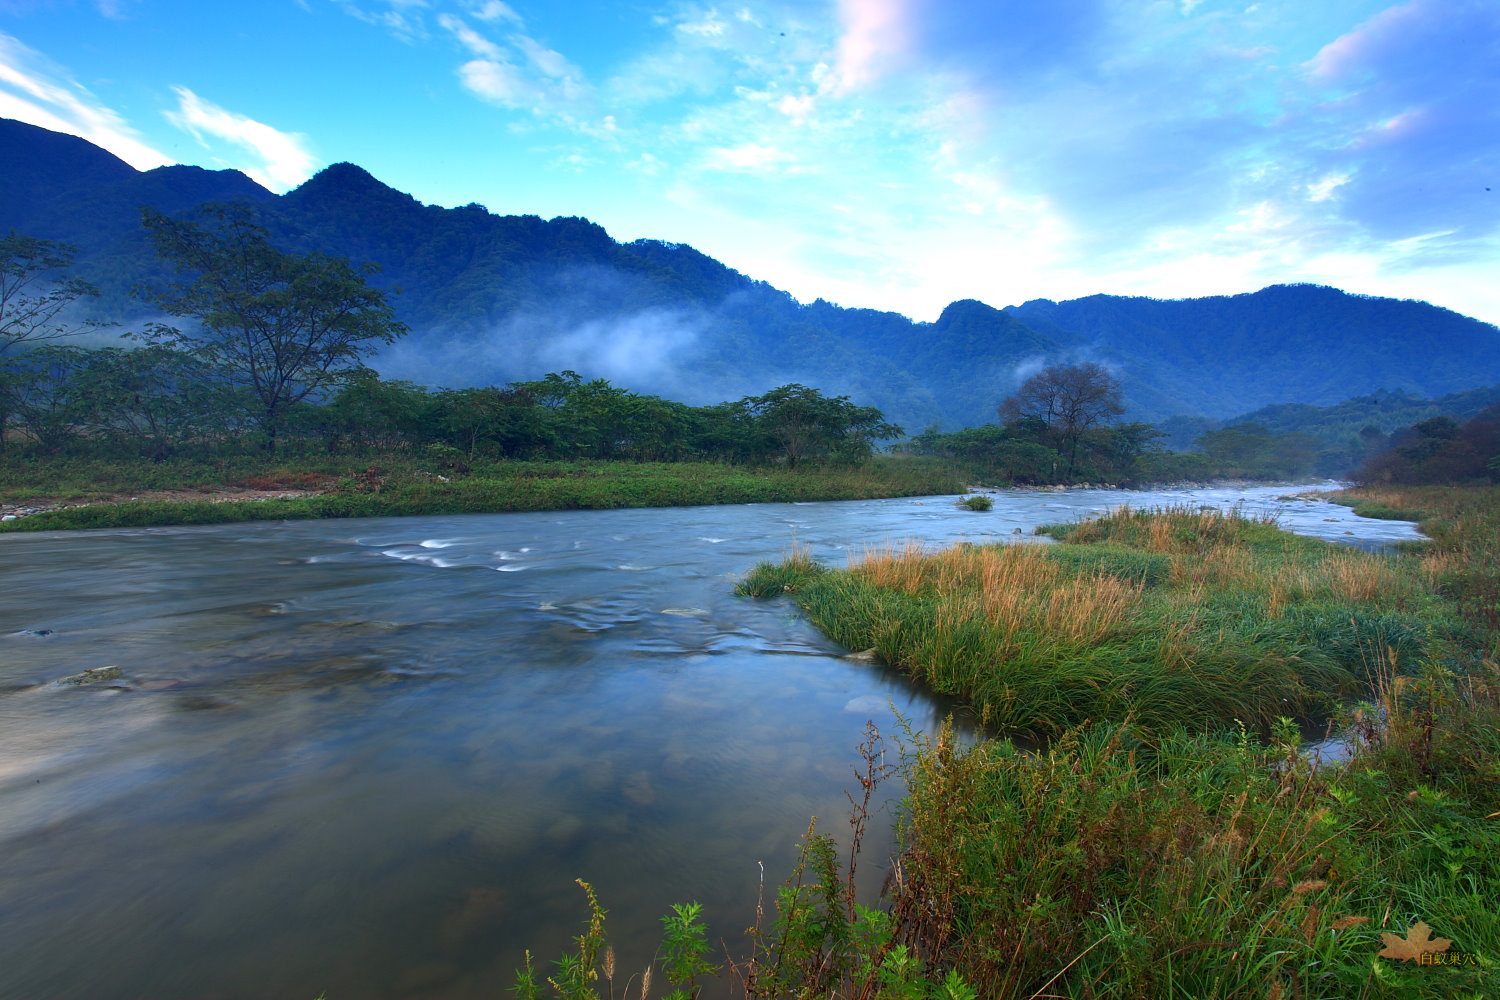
{"points": [[1016, 588]]}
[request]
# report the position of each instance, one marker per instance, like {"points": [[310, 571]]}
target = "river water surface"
{"points": [[368, 758]]}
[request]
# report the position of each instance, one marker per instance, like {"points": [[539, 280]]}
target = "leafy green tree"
{"points": [[154, 396], [803, 423], [472, 415], [1239, 450], [288, 327], [726, 432], [376, 411], [46, 396], [1117, 451]]}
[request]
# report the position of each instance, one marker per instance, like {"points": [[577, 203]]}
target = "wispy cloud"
{"points": [[35, 91], [284, 159], [471, 39], [115, 9], [518, 72], [875, 40], [751, 157], [402, 18], [492, 10]]}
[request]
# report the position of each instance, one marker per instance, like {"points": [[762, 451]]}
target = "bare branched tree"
{"points": [[1069, 400], [34, 291]]}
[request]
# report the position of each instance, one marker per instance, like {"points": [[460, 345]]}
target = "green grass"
{"points": [[403, 488], [1168, 618], [1124, 862], [1463, 557], [1157, 847], [1380, 511]]}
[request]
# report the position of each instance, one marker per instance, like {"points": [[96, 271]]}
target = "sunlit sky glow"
{"points": [[893, 154]]}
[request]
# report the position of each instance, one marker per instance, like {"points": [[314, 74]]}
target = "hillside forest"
{"points": [[272, 355]]}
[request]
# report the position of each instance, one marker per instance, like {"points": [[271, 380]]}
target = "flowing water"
{"points": [[368, 758]]}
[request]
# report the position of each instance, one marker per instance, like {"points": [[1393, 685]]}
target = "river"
{"points": [[369, 758]]}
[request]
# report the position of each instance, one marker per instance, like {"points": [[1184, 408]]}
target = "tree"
{"points": [[32, 292], [805, 424], [46, 395], [286, 326], [1069, 400], [155, 396]]}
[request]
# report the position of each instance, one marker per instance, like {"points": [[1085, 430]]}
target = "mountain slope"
{"points": [[1287, 343], [496, 298]]}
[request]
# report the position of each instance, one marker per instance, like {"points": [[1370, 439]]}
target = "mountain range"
{"points": [[497, 298]]}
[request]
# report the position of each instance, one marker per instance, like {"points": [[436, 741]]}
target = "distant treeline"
{"points": [[156, 401], [1345, 434], [1125, 454]]}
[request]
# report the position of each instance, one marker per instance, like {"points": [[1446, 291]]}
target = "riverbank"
{"points": [[110, 495], [1159, 846]]}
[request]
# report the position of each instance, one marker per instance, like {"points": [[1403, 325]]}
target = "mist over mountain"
{"points": [[498, 298]]}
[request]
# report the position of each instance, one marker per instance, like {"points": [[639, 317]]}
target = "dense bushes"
{"points": [[1439, 450]]}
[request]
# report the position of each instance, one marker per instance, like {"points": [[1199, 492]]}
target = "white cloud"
{"points": [[499, 82], [492, 10], [32, 90], [798, 108], [402, 18], [525, 75], [285, 161], [750, 156], [710, 25], [876, 34], [470, 39], [549, 62], [1323, 189]]}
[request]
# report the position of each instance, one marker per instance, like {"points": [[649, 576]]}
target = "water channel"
{"points": [[369, 758]]}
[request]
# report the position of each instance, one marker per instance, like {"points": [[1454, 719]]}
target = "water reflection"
{"points": [[369, 758]]}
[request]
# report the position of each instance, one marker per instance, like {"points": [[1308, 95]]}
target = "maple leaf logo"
{"points": [[1418, 942]]}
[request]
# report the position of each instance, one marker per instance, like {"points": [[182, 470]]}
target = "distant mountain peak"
{"points": [[965, 309], [342, 176]]}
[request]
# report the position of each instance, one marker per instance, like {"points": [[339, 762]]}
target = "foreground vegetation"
{"points": [[1175, 838]]}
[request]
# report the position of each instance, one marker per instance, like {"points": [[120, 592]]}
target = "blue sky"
{"points": [[893, 154]]}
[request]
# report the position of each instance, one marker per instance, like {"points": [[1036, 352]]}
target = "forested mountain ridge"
{"points": [[498, 298], [1213, 347]]}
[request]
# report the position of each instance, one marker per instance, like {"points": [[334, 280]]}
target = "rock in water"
{"points": [[93, 675]]}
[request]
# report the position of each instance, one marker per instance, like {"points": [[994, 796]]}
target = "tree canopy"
{"points": [[1069, 400], [286, 326]]}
